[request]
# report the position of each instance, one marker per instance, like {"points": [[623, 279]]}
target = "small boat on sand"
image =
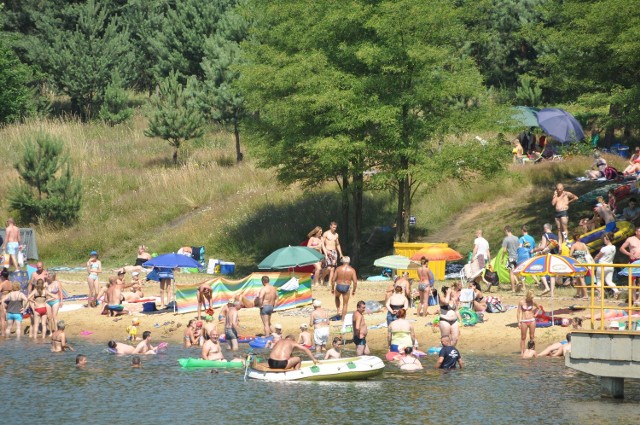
{"points": [[347, 369]]}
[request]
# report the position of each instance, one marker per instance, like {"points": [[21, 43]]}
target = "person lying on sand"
{"points": [[557, 349]]}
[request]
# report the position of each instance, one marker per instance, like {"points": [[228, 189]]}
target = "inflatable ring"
{"points": [[469, 317], [434, 350]]}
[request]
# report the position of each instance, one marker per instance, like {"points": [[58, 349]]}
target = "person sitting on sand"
{"points": [[189, 334], [530, 351], [113, 298], [409, 361], [334, 351], [204, 295], [281, 354], [119, 348], [59, 339], [142, 257], [634, 163], [145, 347], [479, 300], [305, 336], [598, 167], [557, 349], [211, 349]]}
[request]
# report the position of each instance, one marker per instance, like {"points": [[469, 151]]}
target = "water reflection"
{"points": [[490, 390]]}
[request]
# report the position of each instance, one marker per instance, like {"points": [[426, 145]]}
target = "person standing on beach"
{"points": [[331, 248], [449, 356], [481, 250], [94, 268], [40, 273], [231, 324], [315, 242], [15, 303], [548, 245], [425, 286], [511, 243], [526, 319], [360, 330], [561, 200], [344, 277], [5, 288], [11, 243], [267, 297], [320, 321]]}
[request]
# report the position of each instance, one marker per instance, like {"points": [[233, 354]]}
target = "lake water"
{"points": [[490, 390]]}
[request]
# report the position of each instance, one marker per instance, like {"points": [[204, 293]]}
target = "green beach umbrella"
{"points": [[291, 256], [396, 262]]}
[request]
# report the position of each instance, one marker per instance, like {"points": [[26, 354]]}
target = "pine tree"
{"points": [[48, 191], [176, 115], [16, 98], [114, 108]]}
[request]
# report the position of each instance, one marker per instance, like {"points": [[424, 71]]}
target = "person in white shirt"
{"points": [[605, 256], [481, 249]]}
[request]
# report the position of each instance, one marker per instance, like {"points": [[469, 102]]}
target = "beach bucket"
{"points": [[149, 307], [227, 267]]}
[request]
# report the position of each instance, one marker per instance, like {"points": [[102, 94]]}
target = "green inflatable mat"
{"points": [[192, 363]]}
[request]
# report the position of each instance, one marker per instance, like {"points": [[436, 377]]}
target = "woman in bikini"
{"points": [[527, 308], [634, 163], [580, 252], [424, 287], [479, 300], [94, 268], [15, 303], [189, 336], [315, 242], [396, 302], [38, 301], [449, 315], [55, 295], [409, 361]]}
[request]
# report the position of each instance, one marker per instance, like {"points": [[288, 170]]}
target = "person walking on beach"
{"points": [[94, 268], [561, 200], [449, 356], [320, 321], [511, 243], [360, 330], [267, 297], [11, 243], [344, 277], [526, 319], [481, 250], [331, 248]]}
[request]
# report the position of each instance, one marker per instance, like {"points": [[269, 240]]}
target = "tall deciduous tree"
{"points": [[48, 191], [80, 48], [16, 98], [175, 114], [223, 100]]}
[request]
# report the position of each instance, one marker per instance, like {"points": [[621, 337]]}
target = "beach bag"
{"points": [[491, 277], [433, 299], [611, 173]]}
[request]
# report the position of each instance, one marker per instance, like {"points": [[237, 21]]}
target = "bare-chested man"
{"points": [[145, 347], [561, 200], [343, 278], [59, 339], [231, 324], [266, 300], [360, 330], [40, 273], [403, 282], [280, 357], [631, 247], [118, 348], [113, 298], [211, 349], [11, 243], [331, 248], [204, 296]]}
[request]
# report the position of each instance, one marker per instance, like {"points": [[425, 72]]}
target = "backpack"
{"points": [[610, 173]]}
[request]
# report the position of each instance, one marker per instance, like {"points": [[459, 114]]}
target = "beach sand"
{"points": [[498, 335]]}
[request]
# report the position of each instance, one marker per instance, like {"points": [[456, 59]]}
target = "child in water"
{"points": [[334, 351], [530, 352]]}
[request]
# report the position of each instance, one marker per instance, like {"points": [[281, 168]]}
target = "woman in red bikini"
{"points": [[38, 301], [526, 319]]}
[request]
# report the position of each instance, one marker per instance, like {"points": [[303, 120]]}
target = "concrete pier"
{"points": [[612, 355]]}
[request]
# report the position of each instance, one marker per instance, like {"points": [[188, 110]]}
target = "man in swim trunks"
{"points": [[118, 348], [11, 243], [344, 276], [114, 298], [561, 200], [280, 357], [266, 300], [631, 248], [320, 321], [360, 330], [40, 273], [449, 355], [331, 248], [511, 243], [145, 347], [231, 323], [211, 349]]}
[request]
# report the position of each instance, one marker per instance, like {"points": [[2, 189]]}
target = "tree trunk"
{"points": [[345, 210], [399, 219], [609, 136], [175, 156], [407, 210], [236, 133], [404, 194], [357, 191]]}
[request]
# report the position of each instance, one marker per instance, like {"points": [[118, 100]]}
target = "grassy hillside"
{"points": [[133, 195]]}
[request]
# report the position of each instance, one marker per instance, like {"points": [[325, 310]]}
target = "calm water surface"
{"points": [[491, 390]]}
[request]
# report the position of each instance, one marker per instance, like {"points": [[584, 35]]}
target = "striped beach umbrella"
{"points": [[550, 265]]}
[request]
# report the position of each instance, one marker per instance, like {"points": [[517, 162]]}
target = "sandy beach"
{"points": [[498, 335]]}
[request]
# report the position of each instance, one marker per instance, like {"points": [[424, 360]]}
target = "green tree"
{"points": [[47, 191], [175, 114], [222, 98], [16, 98], [79, 48], [114, 109]]}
